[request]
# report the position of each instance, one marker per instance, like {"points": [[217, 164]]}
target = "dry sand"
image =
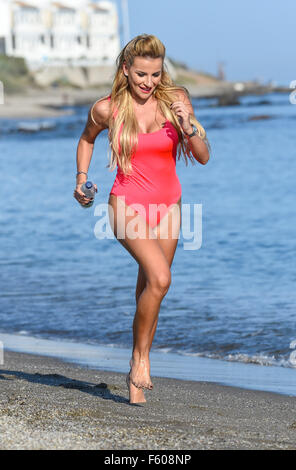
{"points": [[46, 403], [43, 103], [36, 104]]}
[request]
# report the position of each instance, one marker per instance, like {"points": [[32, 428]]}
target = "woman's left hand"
{"points": [[179, 108]]}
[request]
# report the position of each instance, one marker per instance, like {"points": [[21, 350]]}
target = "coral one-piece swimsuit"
{"points": [[153, 186]]}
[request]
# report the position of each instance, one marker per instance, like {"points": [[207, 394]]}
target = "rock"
{"points": [[228, 100], [259, 117]]}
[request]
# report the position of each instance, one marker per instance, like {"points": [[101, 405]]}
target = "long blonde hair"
{"points": [[124, 138]]}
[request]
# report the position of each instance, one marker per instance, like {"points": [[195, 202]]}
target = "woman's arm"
{"points": [[183, 109], [98, 119], [100, 113]]}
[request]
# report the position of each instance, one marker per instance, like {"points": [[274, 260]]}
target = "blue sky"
{"points": [[255, 38]]}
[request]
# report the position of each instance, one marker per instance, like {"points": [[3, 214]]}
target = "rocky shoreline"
{"points": [[45, 92], [53, 102]]}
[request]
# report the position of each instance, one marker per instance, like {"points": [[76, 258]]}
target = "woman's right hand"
{"points": [[80, 196]]}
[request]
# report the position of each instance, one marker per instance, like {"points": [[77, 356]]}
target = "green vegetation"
{"points": [[63, 82], [188, 76], [14, 74], [182, 79], [177, 63]]}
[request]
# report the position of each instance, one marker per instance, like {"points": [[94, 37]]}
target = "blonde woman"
{"points": [[151, 122]]}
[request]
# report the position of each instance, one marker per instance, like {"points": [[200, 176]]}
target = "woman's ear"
{"points": [[125, 69]]}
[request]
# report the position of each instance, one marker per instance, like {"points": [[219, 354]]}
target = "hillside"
{"points": [[14, 74], [187, 76]]}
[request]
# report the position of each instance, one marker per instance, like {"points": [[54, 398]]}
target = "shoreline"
{"points": [[273, 379], [50, 404], [37, 104]]}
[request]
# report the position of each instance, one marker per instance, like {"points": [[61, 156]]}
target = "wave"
{"points": [[259, 359]]}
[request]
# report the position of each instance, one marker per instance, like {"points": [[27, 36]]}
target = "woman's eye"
{"points": [[154, 75]]}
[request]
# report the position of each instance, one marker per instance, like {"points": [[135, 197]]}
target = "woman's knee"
{"points": [[160, 282]]}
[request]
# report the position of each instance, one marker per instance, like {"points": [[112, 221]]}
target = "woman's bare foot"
{"points": [[140, 373], [136, 395]]}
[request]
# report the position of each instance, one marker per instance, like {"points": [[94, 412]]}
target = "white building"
{"points": [[80, 32]]}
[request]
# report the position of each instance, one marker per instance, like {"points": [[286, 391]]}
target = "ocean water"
{"points": [[232, 299]]}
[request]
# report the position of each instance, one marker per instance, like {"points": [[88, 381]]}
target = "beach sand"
{"points": [[46, 403], [36, 104]]}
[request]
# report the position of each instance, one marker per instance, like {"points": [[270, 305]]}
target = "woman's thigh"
{"points": [[145, 249], [167, 233]]}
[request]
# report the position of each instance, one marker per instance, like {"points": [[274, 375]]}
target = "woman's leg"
{"points": [[149, 255], [172, 222]]}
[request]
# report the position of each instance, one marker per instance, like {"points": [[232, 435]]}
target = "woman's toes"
{"points": [[136, 395]]}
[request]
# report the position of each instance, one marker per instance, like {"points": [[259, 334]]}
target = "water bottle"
{"points": [[89, 190]]}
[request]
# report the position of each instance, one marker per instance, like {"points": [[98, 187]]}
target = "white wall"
{"points": [[4, 17], [64, 27]]}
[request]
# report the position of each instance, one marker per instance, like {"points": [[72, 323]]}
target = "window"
{"points": [[13, 42]]}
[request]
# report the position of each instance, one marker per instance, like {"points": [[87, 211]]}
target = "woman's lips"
{"points": [[145, 90]]}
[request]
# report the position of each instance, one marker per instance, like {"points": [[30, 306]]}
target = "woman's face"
{"points": [[143, 76]]}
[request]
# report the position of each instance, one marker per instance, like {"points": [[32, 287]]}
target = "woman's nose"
{"points": [[148, 82]]}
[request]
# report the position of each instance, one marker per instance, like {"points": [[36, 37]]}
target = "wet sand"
{"points": [[46, 403]]}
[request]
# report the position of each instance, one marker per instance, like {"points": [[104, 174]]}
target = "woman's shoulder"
{"points": [[182, 94], [100, 111]]}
